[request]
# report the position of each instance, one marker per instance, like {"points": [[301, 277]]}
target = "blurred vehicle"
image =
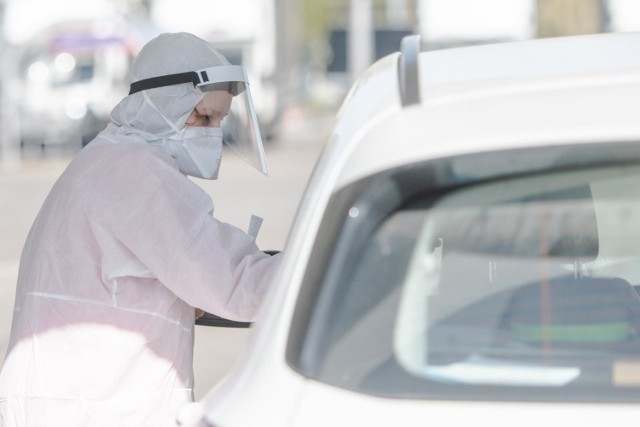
{"points": [[71, 78], [466, 250]]}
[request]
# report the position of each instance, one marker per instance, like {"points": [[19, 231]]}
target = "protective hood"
{"points": [[170, 77]]}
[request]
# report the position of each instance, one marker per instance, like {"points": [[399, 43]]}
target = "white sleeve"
{"points": [[166, 222]]}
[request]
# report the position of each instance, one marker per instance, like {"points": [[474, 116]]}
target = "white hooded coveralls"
{"points": [[123, 249]]}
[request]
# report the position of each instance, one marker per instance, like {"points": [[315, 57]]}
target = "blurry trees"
{"points": [[318, 19], [570, 17]]}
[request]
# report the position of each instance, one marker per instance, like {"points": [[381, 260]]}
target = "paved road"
{"points": [[238, 193]]}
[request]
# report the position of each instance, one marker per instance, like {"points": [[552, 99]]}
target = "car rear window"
{"points": [[521, 288]]}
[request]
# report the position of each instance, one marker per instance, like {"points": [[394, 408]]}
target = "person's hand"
{"points": [[199, 313]]}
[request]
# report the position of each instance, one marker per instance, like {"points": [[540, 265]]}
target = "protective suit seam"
{"points": [[109, 139], [114, 291], [86, 301], [123, 396]]}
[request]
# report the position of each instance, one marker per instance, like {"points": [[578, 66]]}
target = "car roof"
{"points": [[583, 89]]}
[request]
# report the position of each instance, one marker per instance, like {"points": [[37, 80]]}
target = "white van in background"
{"points": [[70, 77]]}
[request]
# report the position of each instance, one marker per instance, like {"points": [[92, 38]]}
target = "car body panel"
{"points": [[545, 116], [481, 101], [494, 96], [353, 409]]}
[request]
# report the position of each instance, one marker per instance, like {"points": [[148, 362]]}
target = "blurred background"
{"points": [[65, 64]]}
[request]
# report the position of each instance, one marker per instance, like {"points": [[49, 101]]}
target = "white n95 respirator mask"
{"points": [[198, 151]]}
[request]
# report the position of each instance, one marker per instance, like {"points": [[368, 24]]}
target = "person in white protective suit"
{"points": [[126, 246]]}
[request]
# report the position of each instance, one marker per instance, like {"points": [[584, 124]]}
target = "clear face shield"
{"points": [[239, 123], [226, 103]]}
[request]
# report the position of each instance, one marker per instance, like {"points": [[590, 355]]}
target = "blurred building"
{"points": [[65, 62]]}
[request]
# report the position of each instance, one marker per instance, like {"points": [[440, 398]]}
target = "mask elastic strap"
{"points": [[150, 102]]}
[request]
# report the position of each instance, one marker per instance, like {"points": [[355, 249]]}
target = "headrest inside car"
{"points": [[560, 224]]}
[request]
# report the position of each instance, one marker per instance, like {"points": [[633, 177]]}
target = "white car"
{"points": [[467, 251]]}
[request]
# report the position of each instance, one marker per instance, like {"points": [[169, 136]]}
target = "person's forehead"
{"points": [[216, 99]]}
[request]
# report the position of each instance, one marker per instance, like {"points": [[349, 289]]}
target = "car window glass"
{"points": [[526, 282]]}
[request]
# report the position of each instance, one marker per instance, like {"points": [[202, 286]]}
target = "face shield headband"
{"points": [[240, 127]]}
